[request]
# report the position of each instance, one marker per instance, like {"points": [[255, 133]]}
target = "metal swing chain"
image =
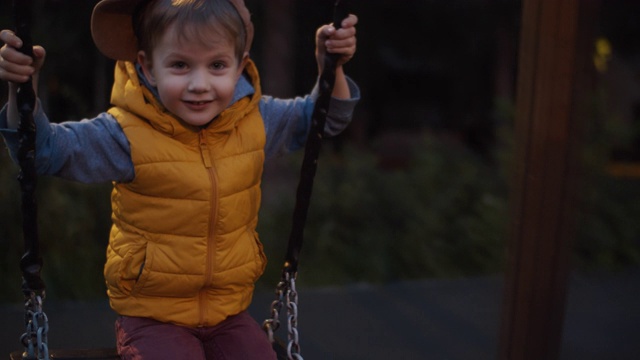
{"points": [[37, 327], [286, 294], [291, 298], [286, 289], [272, 324]]}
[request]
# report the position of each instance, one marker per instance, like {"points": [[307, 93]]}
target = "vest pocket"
{"points": [[131, 268], [158, 274]]}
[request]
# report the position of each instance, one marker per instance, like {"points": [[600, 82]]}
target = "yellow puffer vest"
{"points": [[183, 247]]}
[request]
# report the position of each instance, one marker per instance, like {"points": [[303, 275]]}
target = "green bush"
{"points": [[442, 215], [608, 234], [609, 230], [73, 221]]}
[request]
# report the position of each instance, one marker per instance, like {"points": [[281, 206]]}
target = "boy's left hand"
{"points": [[341, 41]]}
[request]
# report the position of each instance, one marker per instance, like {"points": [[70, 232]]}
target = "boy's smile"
{"points": [[195, 81]]}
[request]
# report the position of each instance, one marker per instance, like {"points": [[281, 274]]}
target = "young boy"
{"points": [[184, 145]]}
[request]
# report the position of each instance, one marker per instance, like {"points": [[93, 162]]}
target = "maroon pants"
{"points": [[237, 338]]}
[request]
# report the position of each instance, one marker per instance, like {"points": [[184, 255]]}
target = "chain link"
{"points": [[293, 347], [272, 324], [285, 294], [37, 327]]}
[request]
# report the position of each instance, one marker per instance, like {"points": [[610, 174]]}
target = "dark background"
{"points": [[424, 165], [416, 188]]}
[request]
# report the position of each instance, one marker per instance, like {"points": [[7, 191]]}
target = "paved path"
{"points": [[427, 319]]}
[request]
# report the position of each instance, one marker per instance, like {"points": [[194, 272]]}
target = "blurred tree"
{"points": [[278, 48], [436, 66]]}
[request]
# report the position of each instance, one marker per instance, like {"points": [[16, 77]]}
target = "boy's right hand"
{"points": [[15, 66]]}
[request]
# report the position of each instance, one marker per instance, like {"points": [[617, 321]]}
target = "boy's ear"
{"points": [[242, 64], [145, 63]]}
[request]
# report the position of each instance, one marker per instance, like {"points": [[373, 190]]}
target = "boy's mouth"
{"points": [[197, 105]]}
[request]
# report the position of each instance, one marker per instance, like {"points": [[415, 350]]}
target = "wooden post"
{"points": [[543, 192]]}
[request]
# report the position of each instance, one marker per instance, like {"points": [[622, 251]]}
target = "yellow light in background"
{"points": [[602, 54]]}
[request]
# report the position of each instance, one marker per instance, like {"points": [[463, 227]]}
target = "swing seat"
{"points": [[76, 354], [112, 354]]}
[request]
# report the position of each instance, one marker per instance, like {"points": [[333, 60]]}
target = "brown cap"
{"points": [[112, 27]]}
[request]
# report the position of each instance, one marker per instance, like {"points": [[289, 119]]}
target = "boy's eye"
{"points": [[178, 65], [218, 65]]}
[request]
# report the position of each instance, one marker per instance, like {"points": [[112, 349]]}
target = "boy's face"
{"points": [[195, 82]]}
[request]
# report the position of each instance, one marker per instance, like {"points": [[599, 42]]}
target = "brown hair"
{"points": [[194, 20]]}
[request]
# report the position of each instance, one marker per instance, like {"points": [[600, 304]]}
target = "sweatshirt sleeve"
{"points": [[288, 121], [89, 151]]}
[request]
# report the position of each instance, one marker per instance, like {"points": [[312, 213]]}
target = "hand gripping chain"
{"points": [[37, 326], [286, 290]]}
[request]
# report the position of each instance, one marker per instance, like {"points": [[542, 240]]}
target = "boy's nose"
{"points": [[198, 84]]}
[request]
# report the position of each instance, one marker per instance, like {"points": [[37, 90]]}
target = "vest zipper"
{"points": [[206, 159]]}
